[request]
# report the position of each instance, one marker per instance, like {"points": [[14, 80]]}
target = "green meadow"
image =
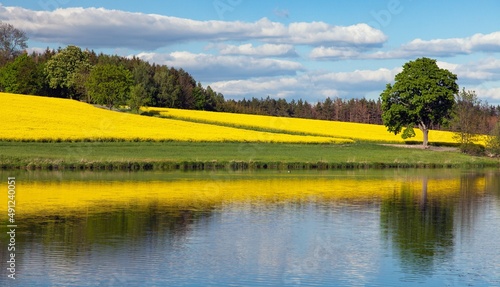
{"points": [[191, 155]]}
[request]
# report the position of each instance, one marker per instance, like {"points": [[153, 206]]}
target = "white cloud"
{"points": [[99, 28], [320, 33], [277, 87], [454, 46], [358, 77], [207, 67], [487, 69], [488, 43], [492, 95], [334, 53], [310, 86], [266, 50]]}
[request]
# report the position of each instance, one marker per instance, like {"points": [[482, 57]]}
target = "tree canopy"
{"points": [[21, 76], [422, 96], [109, 84], [63, 67]]}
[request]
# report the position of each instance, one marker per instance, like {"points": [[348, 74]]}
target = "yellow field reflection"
{"points": [[39, 198]]}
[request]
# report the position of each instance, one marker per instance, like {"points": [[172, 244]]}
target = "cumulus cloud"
{"points": [[488, 43], [262, 87], [359, 76], [454, 46], [492, 95], [310, 86], [487, 69], [320, 33], [207, 67], [266, 50], [334, 53], [99, 27]]}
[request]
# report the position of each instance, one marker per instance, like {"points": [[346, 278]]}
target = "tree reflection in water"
{"points": [[420, 223]]}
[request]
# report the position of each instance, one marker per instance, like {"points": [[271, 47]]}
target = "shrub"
{"points": [[472, 149], [493, 141]]}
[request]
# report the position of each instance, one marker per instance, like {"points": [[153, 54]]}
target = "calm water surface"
{"points": [[335, 228]]}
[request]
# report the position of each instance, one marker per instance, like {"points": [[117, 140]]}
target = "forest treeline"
{"points": [[66, 73], [112, 80]]}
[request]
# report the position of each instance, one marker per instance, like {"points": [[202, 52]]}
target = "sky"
{"points": [[288, 49]]}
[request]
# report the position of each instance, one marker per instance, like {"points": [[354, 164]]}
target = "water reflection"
{"points": [[379, 228], [418, 228]]}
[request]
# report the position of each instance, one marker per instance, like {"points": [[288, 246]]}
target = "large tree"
{"points": [[22, 76], [12, 42], [63, 69], [109, 84], [422, 96]]}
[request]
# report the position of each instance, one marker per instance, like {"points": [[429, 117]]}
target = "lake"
{"points": [[407, 227]]}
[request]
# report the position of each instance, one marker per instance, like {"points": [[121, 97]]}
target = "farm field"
{"points": [[53, 119], [32, 118], [51, 133], [354, 131]]}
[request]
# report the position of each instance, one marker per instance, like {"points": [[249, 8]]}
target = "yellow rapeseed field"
{"points": [[355, 131], [32, 118], [73, 197]]}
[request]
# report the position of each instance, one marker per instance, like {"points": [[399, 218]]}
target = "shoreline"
{"points": [[231, 166], [186, 156]]}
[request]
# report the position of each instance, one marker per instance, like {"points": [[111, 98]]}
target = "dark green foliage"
{"points": [[109, 84], [138, 98], [63, 67], [22, 76], [422, 96]]}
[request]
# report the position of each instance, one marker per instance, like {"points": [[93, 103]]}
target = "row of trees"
{"points": [[352, 110], [112, 80], [105, 80], [423, 95]]}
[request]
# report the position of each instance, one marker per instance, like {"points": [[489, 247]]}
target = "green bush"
{"points": [[472, 149]]}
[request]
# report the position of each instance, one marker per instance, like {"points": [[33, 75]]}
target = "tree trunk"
{"points": [[426, 137], [425, 131]]}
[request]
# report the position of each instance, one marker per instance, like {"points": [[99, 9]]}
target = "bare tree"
{"points": [[470, 120], [12, 42]]}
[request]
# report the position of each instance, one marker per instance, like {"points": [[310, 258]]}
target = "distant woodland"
{"points": [[114, 81]]}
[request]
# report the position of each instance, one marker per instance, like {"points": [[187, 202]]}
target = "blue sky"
{"points": [[291, 49]]}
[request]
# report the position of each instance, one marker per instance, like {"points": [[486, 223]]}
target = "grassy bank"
{"points": [[197, 156]]}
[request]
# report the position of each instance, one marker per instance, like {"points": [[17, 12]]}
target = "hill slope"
{"points": [[33, 118], [354, 131]]}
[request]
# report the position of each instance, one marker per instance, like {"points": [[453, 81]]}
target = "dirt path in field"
{"points": [[433, 148]]}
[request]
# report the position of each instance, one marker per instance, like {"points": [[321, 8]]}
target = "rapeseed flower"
{"points": [[354, 131], [32, 118]]}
